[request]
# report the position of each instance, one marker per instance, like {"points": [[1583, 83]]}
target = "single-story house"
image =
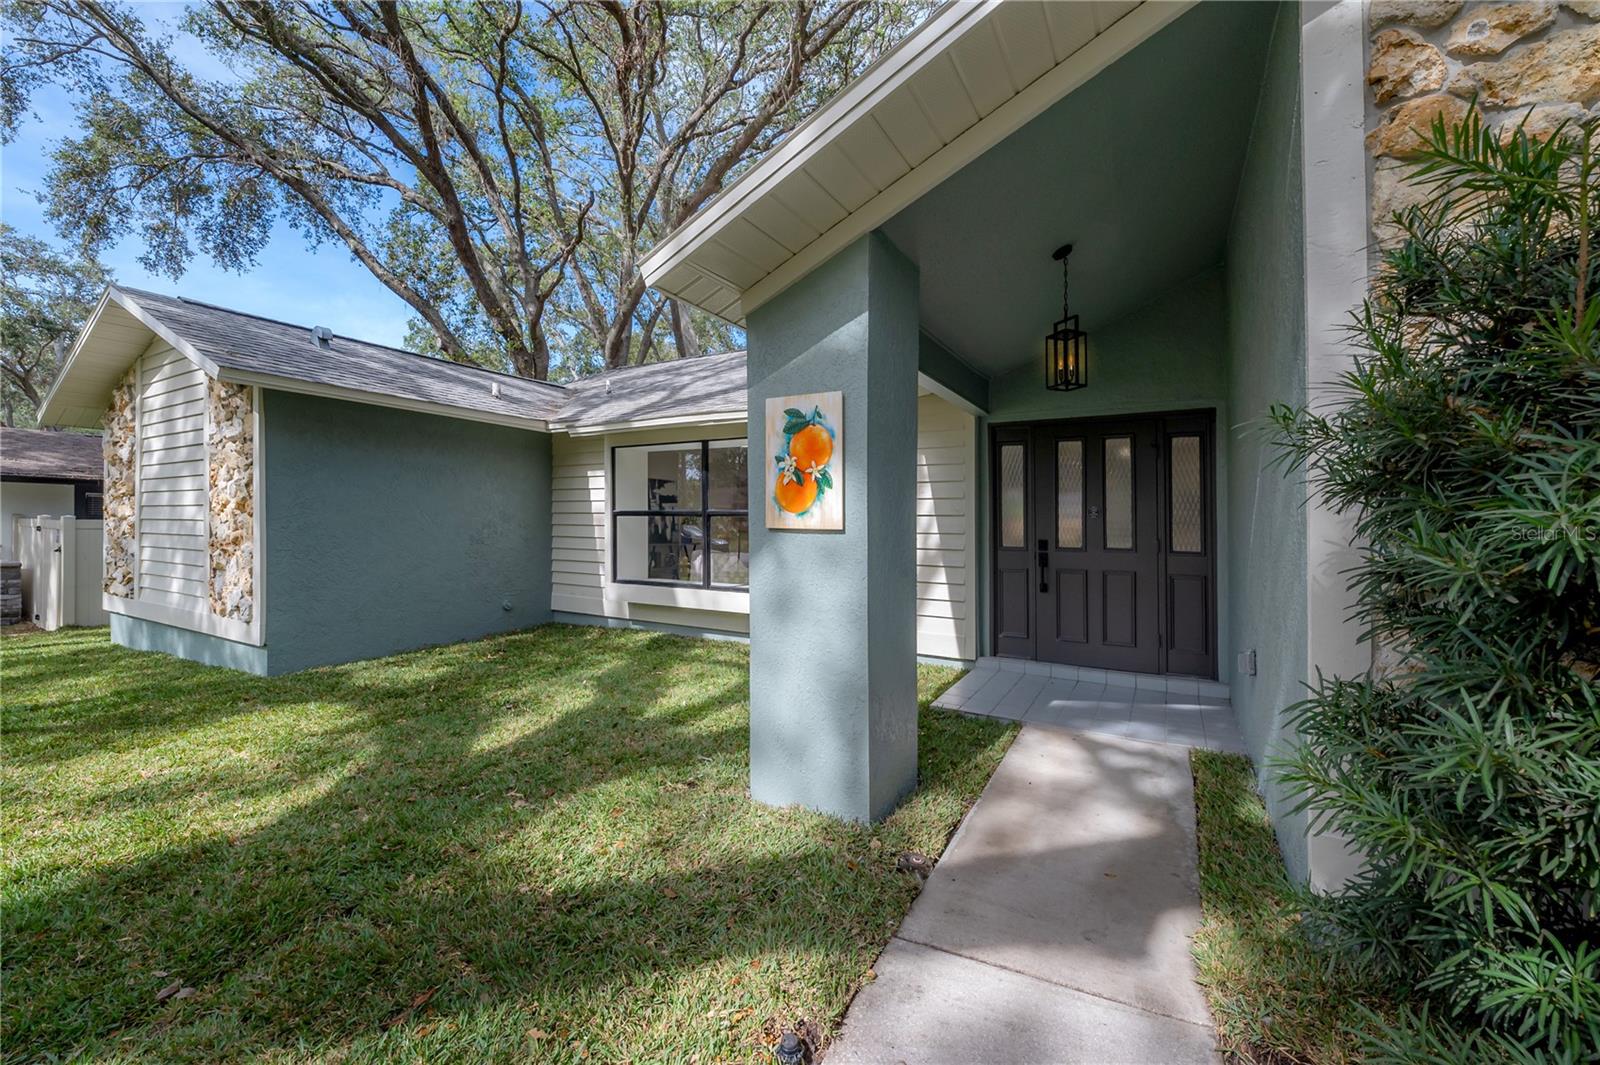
{"points": [[47, 472], [1193, 188]]}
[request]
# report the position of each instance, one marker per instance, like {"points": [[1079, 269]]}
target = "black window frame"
{"points": [[705, 513]]}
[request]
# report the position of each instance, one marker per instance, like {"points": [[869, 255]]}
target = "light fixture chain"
{"points": [[1064, 303]]}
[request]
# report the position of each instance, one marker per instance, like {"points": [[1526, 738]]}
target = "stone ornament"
{"points": [[230, 447], [119, 447], [1491, 30], [1404, 65], [1562, 68], [1425, 13], [1534, 64]]}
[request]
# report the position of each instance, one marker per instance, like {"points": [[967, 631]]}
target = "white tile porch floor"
{"points": [[1176, 710]]}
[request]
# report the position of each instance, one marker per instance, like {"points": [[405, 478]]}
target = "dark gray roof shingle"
{"points": [[243, 342], [47, 453], [708, 385], [683, 388]]}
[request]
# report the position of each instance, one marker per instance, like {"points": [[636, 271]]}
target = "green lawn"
{"points": [[1275, 999], [531, 847]]}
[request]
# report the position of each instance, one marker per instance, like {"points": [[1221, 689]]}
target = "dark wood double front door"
{"points": [[1104, 541]]}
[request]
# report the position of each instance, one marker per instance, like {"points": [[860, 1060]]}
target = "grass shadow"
{"points": [[536, 845]]}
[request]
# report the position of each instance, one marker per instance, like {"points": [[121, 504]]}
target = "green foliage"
{"points": [[500, 167], [44, 297], [1466, 767]]}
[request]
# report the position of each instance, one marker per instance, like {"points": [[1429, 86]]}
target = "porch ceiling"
{"points": [[1137, 169]]}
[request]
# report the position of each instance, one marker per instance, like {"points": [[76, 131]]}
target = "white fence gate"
{"points": [[63, 560]]}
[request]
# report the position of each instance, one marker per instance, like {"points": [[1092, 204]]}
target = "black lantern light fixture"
{"points": [[1066, 349]]}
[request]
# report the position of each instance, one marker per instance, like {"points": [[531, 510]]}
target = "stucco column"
{"points": [[833, 700]]}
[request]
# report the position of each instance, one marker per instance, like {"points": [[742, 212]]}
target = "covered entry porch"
{"points": [[902, 239]]}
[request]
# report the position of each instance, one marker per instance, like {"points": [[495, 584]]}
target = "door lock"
{"points": [[1044, 565]]}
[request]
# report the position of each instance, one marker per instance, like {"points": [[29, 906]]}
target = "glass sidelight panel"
{"points": [[1119, 492], [1188, 512], [1013, 496], [1069, 493]]}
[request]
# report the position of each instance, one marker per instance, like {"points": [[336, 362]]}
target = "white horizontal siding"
{"points": [[946, 611], [947, 623], [172, 482], [577, 525]]}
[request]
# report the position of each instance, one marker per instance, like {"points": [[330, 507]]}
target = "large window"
{"points": [[681, 514]]}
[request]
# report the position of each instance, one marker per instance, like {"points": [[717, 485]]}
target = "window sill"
{"points": [[688, 598]]}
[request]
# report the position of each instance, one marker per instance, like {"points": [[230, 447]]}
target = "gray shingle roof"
{"points": [[46, 453], [243, 342], [708, 385]]}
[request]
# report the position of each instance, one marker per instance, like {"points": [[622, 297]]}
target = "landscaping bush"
{"points": [[1466, 765]]}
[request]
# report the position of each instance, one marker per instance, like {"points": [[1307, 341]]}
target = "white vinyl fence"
{"points": [[62, 565]]}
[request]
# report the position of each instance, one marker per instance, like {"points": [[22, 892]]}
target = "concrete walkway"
{"points": [[1056, 927]]}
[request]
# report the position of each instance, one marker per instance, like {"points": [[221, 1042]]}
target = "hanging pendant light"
{"points": [[1066, 349]]}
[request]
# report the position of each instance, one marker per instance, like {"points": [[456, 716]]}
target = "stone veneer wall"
{"points": [[119, 446], [230, 442], [1537, 61]]}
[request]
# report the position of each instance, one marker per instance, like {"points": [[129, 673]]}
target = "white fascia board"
{"points": [[1122, 37], [187, 349], [664, 422], [379, 399], [892, 70], [857, 101], [48, 414]]}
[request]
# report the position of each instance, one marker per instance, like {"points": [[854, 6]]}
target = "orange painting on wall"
{"points": [[805, 461]]}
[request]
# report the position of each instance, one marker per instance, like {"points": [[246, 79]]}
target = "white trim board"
{"points": [[665, 421], [853, 107], [207, 623], [52, 412]]}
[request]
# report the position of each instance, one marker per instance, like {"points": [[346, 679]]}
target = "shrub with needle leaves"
{"points": [[1466, 765]]}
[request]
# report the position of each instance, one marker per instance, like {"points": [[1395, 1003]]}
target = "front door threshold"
{"points": [[1037, 695], [1115, 678]]}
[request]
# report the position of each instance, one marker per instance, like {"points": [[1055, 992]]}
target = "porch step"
{"points": [[1084, 704], [1110, 677]]}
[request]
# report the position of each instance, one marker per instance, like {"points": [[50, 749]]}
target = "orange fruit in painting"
{"points": [[796, 497], [811, 447]]}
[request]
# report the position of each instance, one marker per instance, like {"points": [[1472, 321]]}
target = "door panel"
{"points": [[1072, 605], [1189, 553], [1104, 554], [1014, 607], [1095, 503]]}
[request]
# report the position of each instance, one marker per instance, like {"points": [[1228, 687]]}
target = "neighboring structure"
{"points": [[47, 472], [280, 500]]}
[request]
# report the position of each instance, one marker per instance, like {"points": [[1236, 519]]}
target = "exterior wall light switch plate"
{"points": [[1247, 662]]}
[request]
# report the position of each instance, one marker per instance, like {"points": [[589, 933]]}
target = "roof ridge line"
{"points": [[341, 336]]}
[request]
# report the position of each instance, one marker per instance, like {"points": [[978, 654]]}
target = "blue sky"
{"points": [[324, 286]]}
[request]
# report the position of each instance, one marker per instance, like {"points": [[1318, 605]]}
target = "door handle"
{"points": [[1044, 565]]}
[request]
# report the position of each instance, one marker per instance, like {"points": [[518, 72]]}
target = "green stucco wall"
{"points": [[1266, 339], [388, 530], [833, 702], [1170, 355], [941, 365]]}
